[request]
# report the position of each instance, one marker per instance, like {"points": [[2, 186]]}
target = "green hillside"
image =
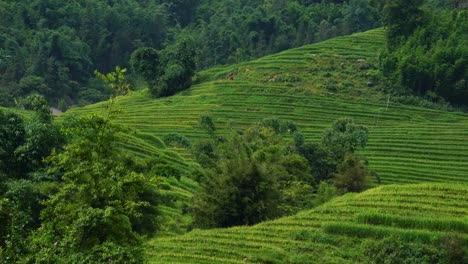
{"points": [[331, 233], [312, 86]]}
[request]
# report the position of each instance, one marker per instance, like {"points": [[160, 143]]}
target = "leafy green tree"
{"points": [[41, 136], [432, 60], [180, 61], [334, 159], [352, 175], [101, 203], [147, 63], [12, 136], [168, 73], [254, 176], [23, 146], [344, 137], [206, 122], [401, 18]]}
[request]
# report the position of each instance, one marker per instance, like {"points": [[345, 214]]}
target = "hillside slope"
{"points": [[312, 86], [331, 233]]}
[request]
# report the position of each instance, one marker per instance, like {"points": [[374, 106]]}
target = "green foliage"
{"points": [[102, 207], [252, 176], [41, 135], [345, 137], [24, 145], [392, 250], [60, 42], [454, 248], [169, 74], [401, 18], [335, 158], [49, 47], [12, 136], [147, 63], [206, 122], [21, 210], [325, 192], [352, 175], [180, 65], [177, 140], [279, 126], [431, 58], [117, 83], [115, 80], [39, 105]]}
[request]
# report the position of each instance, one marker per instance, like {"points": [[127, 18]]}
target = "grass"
{"points": [[331, 233], [312, 86]]}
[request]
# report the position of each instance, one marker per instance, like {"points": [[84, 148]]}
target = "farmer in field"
{"points": [[231, 76]]}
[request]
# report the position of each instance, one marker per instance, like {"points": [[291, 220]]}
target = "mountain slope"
{"points": [[312, 86], [331, 233]]}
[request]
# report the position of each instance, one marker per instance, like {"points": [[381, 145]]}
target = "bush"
{"points": [[325, 192], [454, 249], [393, 250], [279, 126], [352, 175], [177, 139], [168, 72], [251, 177], [206, 122]]}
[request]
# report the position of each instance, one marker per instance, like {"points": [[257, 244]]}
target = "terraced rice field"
{"points": [[312, 86], [331, 233]]}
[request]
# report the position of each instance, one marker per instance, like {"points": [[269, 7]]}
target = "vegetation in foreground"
{"points": [[70, 194], [388, 224]]}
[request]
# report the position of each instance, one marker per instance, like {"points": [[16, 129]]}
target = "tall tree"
{"points": [[401, 18]]}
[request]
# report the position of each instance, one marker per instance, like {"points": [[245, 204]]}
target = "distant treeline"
{"points": [[427, 52], [52, 47]]}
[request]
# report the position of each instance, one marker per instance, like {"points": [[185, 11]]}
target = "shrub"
{"points": [[454, 249], [393, 250], [279, 126], [352, 175], [207, 123], [177, 140]]}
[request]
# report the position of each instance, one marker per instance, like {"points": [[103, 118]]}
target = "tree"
{"points": [[168, 73], [101, 206], [103, 201], [180, 66], [334, 159], [12, 135], [23, 146], [41, 137], [430, 60], [344, 137], [352, 175], [147, 63], [254, 176], [401, 18]]}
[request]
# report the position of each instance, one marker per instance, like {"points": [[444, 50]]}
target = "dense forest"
{"points": [[427, 52], [52, 47]]}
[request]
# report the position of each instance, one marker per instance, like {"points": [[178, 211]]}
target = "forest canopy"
{"points": [[52, 47]]}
